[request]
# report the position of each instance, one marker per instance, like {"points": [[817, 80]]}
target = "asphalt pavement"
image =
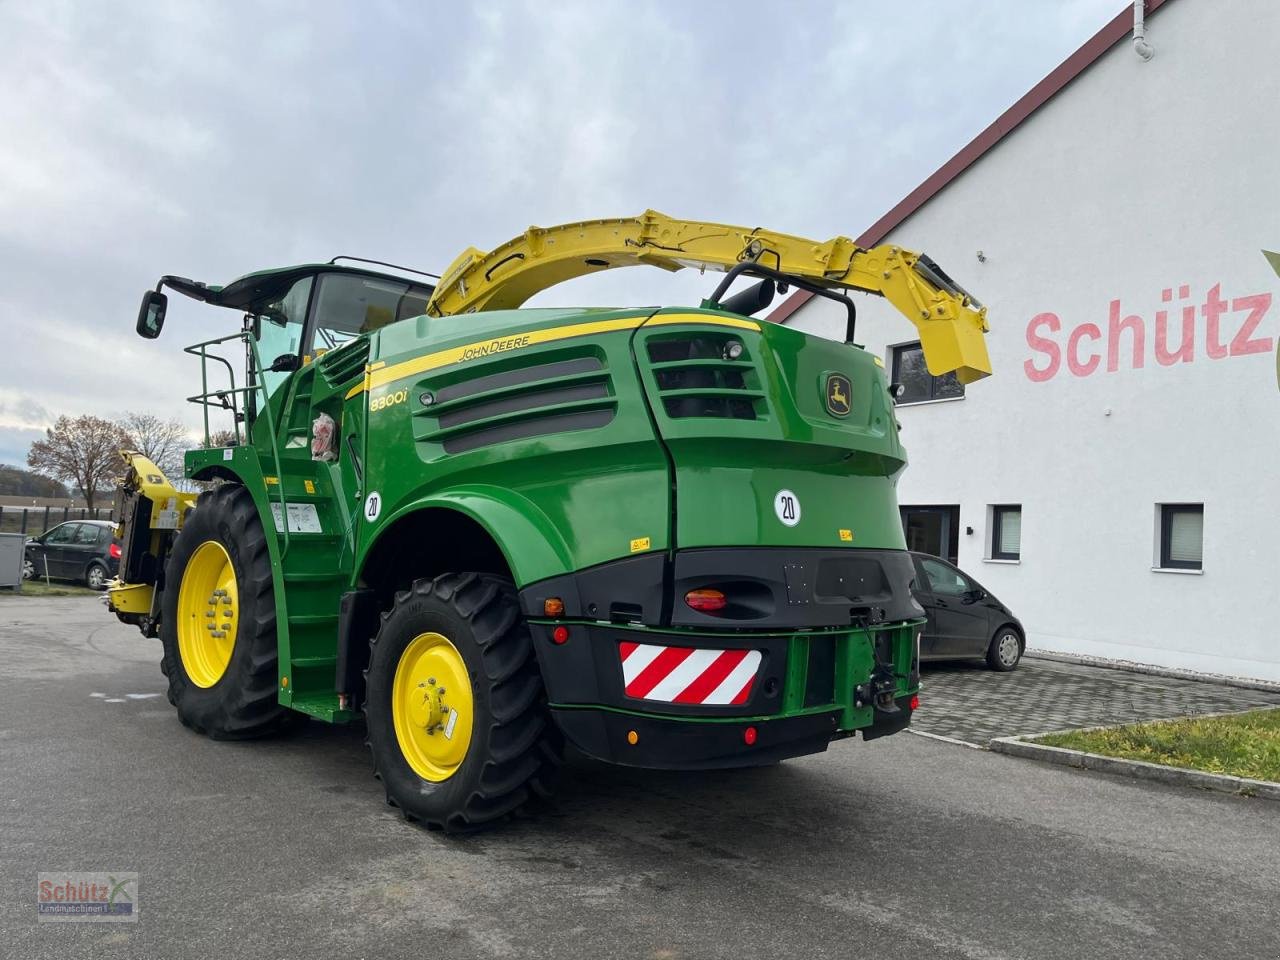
{"points": [[902, 847]]}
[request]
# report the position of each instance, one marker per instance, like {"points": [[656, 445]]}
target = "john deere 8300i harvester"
{"points": [[668, 536]]}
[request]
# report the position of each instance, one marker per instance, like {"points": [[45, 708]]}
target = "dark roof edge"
{"points": [[1112, 33]]}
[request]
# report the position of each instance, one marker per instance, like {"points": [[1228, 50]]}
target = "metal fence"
{"points": [[34, 521]]}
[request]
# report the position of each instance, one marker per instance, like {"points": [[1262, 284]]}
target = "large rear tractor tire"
{"points": [[456, 712], [218, 621]]}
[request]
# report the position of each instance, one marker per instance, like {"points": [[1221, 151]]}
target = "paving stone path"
{"points": [[974, 704]]}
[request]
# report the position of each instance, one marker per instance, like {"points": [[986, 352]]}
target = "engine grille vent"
{"points": [[705, 375], [339, 367], [533, 401]]}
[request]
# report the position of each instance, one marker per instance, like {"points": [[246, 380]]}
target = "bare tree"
{"points": [[84, 451], [160, 441], [222, 438]]}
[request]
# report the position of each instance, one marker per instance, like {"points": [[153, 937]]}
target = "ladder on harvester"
{"points": [[311, 567]]}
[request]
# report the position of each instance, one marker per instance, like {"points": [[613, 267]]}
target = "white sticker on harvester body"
{"points": [[302, 518], [372, 506], [228, 454], [787, 506]]}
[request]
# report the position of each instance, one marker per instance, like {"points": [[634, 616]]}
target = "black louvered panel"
{"points": [[696, 378], [519, 404], [341, 366]]}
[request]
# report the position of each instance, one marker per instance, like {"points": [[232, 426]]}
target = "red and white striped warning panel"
{"points": [[688, 675]]}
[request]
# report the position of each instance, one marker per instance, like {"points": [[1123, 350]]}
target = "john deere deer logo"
{"points": [[838, 395]]}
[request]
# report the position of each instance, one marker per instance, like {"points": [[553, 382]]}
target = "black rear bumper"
{"points": [[832, 632], [671, 744], [659, 743], [770, 588]]}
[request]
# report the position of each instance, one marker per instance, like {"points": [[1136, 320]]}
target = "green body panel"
{"points": [[842, 470], [554, 503], [621, 473]]}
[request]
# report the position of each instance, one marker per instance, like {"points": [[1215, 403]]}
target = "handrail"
{"points": [[199, 350], [275, 444]]}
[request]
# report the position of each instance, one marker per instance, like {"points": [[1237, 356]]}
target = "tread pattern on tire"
{"points": [[520, 749], [244, 703]]}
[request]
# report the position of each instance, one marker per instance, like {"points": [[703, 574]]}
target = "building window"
{"points": [[1006, 532], [1181, 536], [918, 386]]}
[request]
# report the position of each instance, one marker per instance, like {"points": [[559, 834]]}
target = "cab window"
{"points": [[944, 580], [348, 306], [280, 325]]}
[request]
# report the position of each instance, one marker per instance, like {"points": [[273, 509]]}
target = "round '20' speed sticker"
{"points": [[372, 506], [787, 506]]}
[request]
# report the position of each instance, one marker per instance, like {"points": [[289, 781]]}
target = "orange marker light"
{"points": [[705, 600], [632, 737], [553, 607]]}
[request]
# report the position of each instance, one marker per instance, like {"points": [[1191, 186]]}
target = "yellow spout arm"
{"points": [[950, 321]]}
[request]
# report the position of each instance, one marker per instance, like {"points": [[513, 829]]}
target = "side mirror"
{"points": [[974, 595], [151, 314]]}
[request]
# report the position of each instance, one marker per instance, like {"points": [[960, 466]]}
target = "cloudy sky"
{"points": [[209, 140]]}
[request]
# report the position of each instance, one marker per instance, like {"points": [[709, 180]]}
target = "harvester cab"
{"points": [[668, 536]]}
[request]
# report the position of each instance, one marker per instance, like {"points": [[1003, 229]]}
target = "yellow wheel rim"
{"points": [[431, 707], [208, 614]]}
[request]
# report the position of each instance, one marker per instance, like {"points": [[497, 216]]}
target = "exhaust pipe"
{"points": [[753, 298]]}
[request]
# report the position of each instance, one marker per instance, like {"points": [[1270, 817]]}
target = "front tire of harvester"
{"points": [[222, 681], [1005, 652], [456, 712]]}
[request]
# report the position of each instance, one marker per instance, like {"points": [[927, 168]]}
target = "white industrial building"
{"points": [[1116, 481]]}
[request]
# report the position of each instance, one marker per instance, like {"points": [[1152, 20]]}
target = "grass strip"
{"points": [[1241, 745]]}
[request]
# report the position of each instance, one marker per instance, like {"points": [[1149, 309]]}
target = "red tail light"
{"points": [[914, 702], [114, 550], [705, 600]]}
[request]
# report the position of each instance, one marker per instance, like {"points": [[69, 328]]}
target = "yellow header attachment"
{"points": [[950, 321], [168, 504]]}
